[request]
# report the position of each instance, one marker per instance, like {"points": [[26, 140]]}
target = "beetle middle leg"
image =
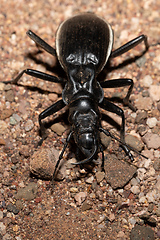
{"points": [[122, 82], [108, 106], [37, 74]]}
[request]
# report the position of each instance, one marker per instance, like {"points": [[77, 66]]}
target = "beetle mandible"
{"points": [[83, 47]]}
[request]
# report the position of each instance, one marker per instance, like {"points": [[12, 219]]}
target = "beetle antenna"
{"points": [[107, 133]]}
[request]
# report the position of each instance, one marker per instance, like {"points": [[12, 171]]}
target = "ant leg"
{"points": [[47, 112], [41, 43], [129, 45], [37, 74], [121, 83], [108, 106]]}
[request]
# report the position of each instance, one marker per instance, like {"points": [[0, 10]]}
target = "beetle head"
{"points": [[86, 37]]}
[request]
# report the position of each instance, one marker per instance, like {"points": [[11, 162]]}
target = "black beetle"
{"points": [[83, 47]]}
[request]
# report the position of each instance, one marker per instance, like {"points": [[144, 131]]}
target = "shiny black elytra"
{"points": [[83, 47]]}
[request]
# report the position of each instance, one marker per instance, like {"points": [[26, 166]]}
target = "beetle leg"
{"points": [[47, 112], [121, 83], [129, 45], [108, 106], [37, 74], [61, 154], [101, 150], [39, 41]]}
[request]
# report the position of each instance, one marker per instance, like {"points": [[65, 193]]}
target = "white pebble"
{"points": [[151, 196], [150, 172], [29, 125], [151, 122], [154, 92], [135, 189], [147, 163], [143, 199], [134, 182], [147, 81], [132, 220], [2, 228], [141, 172]]}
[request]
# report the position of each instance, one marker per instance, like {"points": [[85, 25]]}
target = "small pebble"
{"points": [[143, 103], [134, 182], [90, 179], [12, 208], [121, 235], [135, 189], [151, 122], [152, 140], [134, 142], [143, 199], [80, 197], [28, 193], [101, 219], [86, 206], [15, 228], [147, 81], [13, 121], [154, 92], [132, 220], [151, 196], [73, 190], [111, 217], [141, 173], [2, 228], [58, 128], [100, 176], [29, 125]]}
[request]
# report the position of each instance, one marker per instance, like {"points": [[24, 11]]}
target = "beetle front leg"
{"points": [[129, 45], [39, 41], [108, 106], [47, 112], [122, 82]]}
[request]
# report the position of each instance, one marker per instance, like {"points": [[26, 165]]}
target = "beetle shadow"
{"points": [[56, 69]]}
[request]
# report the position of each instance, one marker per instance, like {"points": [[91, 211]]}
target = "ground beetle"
{"points": [[83, 47]]}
